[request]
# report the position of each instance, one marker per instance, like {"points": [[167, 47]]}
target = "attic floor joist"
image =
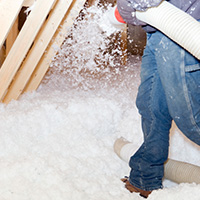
{"points": [[31, 54], [58, 39], [9, 10]]}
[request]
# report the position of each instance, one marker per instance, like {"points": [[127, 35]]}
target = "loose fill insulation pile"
{"points": [[57, 143]]}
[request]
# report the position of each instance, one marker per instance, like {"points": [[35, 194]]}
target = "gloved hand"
{"points": [[111, 21], [127, 9]]}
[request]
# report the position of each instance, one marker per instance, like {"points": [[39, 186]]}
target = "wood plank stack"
{"points": [[25, 55]]}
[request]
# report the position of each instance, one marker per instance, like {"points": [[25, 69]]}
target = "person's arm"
{"points": [[127, 9]]}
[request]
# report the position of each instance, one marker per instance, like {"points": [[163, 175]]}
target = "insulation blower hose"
{"points": [[176, 171], [173, 22]]}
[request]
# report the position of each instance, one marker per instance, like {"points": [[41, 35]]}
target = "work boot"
{"points": [[132, 188]]}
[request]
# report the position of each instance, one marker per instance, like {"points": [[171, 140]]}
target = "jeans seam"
{"points": [[186, 93], [139, 163], [151, 125], [150, 104]]}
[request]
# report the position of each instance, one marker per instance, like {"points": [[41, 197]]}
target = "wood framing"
{"points": [[32, 49], [58, 39], [26, 54], [23, 43], [37, 50], [9, 10], [28, 3], [12, 36]]}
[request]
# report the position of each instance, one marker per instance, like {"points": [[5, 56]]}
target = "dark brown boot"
{"points": [[132, 188]]}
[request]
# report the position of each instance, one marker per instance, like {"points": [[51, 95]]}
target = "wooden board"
{"points": [[9, 10], [59, 37], [2, 55], [28, 3], [12, 36], [23, 43], [37, 50]]}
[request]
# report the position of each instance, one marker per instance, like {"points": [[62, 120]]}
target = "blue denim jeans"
{"points": [[169, 90]]}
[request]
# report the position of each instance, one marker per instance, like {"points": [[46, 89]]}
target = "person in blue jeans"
{"points": [[169, 90]]}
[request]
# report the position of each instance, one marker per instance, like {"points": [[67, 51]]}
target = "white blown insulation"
{"points": [[57, 143]]}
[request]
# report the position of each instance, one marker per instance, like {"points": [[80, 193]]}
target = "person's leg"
{"points": [[147, 164], [170, 89], [180, 77]]}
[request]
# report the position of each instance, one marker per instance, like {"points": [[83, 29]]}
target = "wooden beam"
{"points": [[37, 50], [58, 39], [23, 43], [2, 55], [12, 36], [28, 3], [9, 10]]}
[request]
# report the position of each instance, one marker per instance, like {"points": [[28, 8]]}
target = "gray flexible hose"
{"points": [[179, 172], [176, 24]]}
